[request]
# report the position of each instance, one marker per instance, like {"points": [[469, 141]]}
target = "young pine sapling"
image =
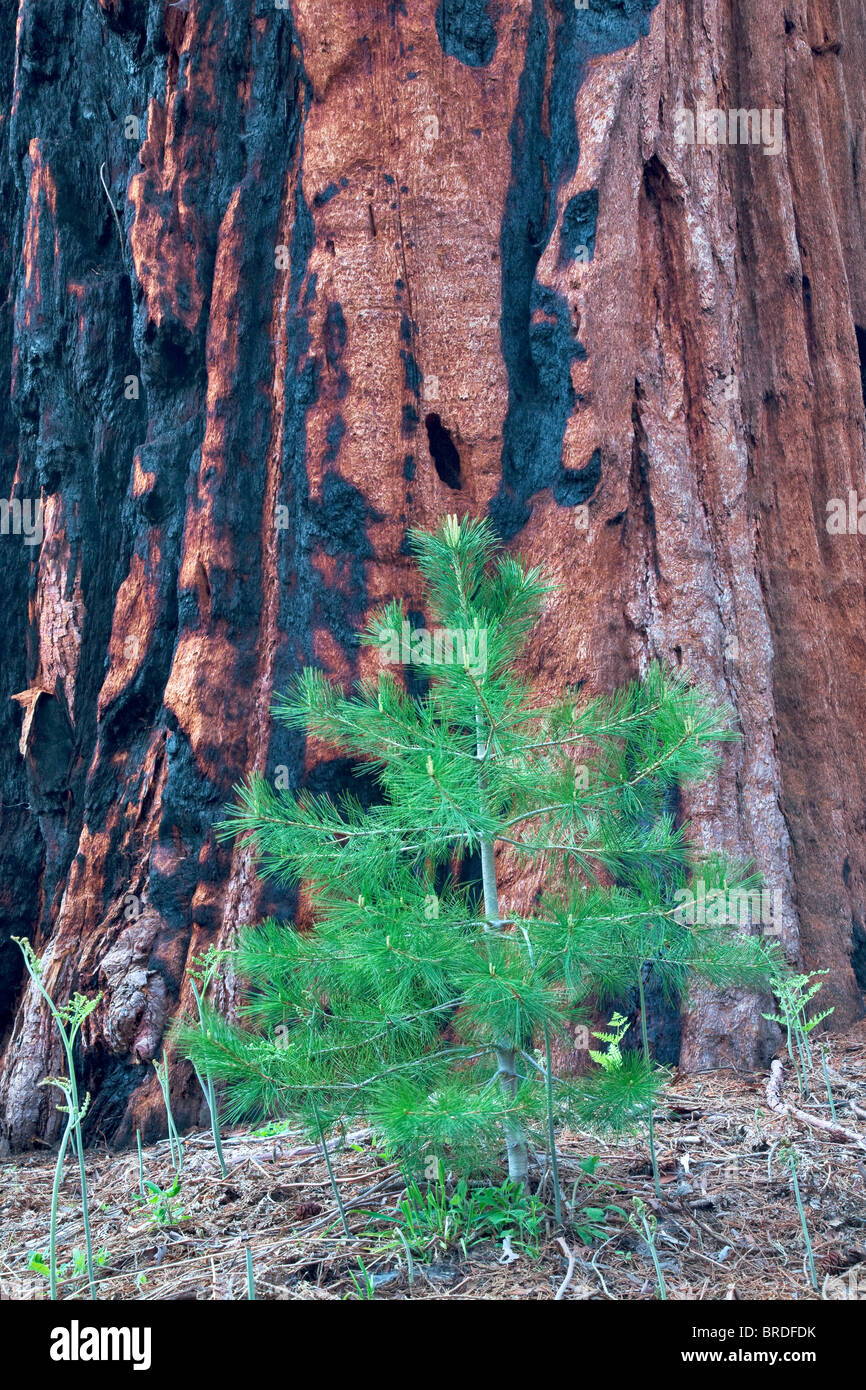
{"points": [[418, 999]]}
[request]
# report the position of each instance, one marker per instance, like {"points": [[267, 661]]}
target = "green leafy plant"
{"points": [[435, 1220], [69, 1018], [795, 993], [39, 1261], [417, 1001], [163, 1206], [588, 1223], [612, 1062], [611, 1058], [646, 1224], [272, 1129], [365, 1287]]}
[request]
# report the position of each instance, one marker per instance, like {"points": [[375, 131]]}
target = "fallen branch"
{"points": [[560, 1292], [837, 1132]]}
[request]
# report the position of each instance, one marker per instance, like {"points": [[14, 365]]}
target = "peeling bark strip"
{"points": [[370, 258]]}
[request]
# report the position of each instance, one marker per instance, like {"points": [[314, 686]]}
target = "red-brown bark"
{"points": [[337, 222]]}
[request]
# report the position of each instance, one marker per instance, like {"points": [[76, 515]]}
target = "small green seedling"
{"points": [[365, 1287], [611, 1058], [39, 1262], [163, 1206], [587, 1224], [613, 1064], [272, 1130], [434, 1222], [646, 1224]]}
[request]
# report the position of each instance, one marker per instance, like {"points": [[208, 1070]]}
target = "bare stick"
{"points": [[569, 1255]]}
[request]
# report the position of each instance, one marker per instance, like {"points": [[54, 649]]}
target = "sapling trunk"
{"points": [[506, 1056], [548, 1090]]}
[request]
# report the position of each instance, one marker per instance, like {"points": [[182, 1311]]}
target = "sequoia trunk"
{"points": [[287, 278]]}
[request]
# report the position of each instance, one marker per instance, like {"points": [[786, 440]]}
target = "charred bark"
{"points": [[283, 282]]}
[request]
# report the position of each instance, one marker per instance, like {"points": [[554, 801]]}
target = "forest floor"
{"points": [[728, 1225]]}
